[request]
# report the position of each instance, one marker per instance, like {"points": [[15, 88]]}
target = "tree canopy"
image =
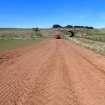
{"points": [[71, 26], [57, 26]]}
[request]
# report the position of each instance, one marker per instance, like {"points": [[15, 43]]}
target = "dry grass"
{"points": [[14, 38], [96, 46]]}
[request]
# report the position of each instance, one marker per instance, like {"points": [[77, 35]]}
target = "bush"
{"points": [[35, 29]]}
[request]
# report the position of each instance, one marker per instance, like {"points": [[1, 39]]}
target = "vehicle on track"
{"points": [[57, 36]]}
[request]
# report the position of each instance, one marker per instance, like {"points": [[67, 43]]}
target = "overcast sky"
{"points": [[45, 13]]}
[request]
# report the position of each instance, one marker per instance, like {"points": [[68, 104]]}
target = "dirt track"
{"points": [[54, 72]]}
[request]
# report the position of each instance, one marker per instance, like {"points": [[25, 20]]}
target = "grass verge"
{"points": [[16, 43], [98, 47]]}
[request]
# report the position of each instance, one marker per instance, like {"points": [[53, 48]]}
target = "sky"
{"points": [[45, 13]]}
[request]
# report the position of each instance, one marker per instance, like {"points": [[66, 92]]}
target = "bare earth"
{"points": [[54, 72]]}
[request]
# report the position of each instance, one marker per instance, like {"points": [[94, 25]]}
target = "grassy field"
{"points": [[96, 35], [98, 47], [16, 43], [22, 33], [94, 40], [11, 38]]}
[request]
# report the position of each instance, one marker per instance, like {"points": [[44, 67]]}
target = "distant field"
{"points": [[96, 35], [22, 33], [11, 38], [94, 40]]}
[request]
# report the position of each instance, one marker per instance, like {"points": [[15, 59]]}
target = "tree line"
{"points": [[71, 26]]}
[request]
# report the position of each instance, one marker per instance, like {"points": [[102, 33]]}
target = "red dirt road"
{"points": [[54, 72]]}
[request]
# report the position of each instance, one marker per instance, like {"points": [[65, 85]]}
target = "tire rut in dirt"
{"points": [[52, 86]]}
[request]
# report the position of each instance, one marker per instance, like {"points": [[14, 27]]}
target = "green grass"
{"points": [[16, 43], [11, 38]]}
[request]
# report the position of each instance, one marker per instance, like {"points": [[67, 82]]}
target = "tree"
{"points": [[35, 29], [84, 27], [77, 26], [69, 26], [89, 27], [57, 26], [36, 33]]}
